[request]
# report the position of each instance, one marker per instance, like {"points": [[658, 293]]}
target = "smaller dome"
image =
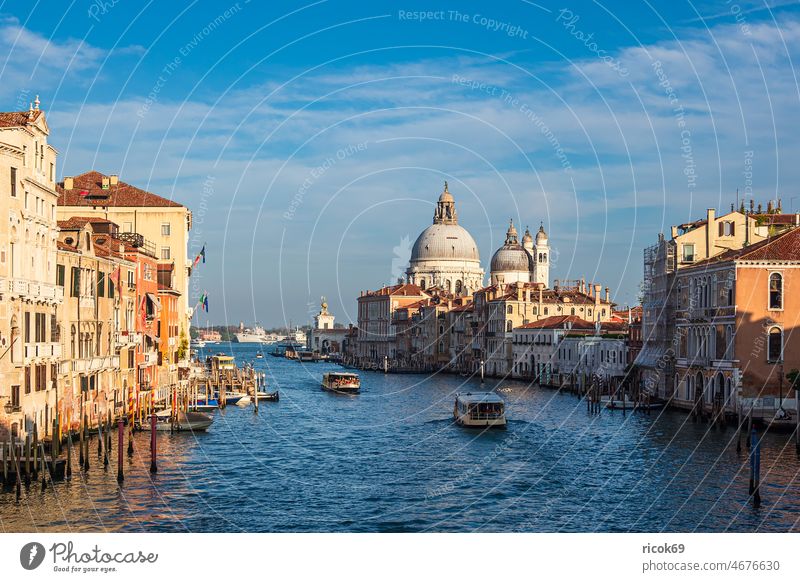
{"points": [[512, 258], [527, 238], [541, 236]]}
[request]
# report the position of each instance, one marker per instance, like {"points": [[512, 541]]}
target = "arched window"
{"points": [[422, 283], [545, 257], [775, 344], [540, 257], [510, 309], [545, 310], [776, 291], [572, 311], [459, 287], [509, 326]]}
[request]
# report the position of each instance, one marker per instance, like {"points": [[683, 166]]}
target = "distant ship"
{"points": [[254, 335]]}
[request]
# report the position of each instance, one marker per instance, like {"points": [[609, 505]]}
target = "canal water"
{"points": [[391, 460]]}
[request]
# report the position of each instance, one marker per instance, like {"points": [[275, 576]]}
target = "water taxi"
{"points": [[342, 382], [184, 421], [480, 409]]}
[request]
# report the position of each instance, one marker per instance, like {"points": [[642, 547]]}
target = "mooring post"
{"points": [[35, 451], [130, 441], [739, 428], [15, 462], [44, 471], [100, 439], [153, 466], [749, 426], [5, 466], [797, 420], [755, 468], [68, 472], [86, 443], [27, 461], [120, 441]]}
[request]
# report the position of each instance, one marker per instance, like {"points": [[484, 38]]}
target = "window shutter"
{"points": [[721, 228], [733, 228]]}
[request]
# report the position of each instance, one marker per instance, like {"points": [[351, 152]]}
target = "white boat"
{"points": [[341, 382], [254, 335], [198, 343], [272, 396], [244, 401], [480, 409], [185, 421], [628, 404]]}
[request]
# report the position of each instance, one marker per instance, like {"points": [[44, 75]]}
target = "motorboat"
{"points": [[480, 409], [184, 421], [244, 401], [259, 355], [268, 396], [341, 382], [234, 397]]}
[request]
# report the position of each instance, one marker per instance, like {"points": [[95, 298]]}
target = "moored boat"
{"points": [[480, 409], [341, 382], [184, 421], [268, 396]]}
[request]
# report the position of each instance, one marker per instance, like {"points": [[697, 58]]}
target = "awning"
{"points": [[154, 300]]}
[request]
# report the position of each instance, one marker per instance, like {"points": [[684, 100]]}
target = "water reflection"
{"points": [[391, 459]]}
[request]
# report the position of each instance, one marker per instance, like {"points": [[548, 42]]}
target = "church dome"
{"points": [[512, 256], [527, 238], [445, 241]]}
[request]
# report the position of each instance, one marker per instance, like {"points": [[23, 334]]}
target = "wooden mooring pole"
{"points": [[120, 442], [69, 453], [27, 461], [153, 466], [755, 468]]}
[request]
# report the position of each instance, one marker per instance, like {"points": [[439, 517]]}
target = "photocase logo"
{"points": [[31, 555]]}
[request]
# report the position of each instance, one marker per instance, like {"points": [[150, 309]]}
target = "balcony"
{"points": [[94, 364], [127, 338], [42, 350], [32, 289]]}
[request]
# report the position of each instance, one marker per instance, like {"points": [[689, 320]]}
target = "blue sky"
{"points": [[312, 140]]}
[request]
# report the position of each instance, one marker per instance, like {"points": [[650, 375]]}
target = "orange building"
{"points": [[737, 328]]}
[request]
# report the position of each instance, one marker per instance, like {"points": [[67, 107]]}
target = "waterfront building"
{"points": [[86, 266], [500, 308], [29, 299], [690, 243], [445, 255], [324, 337], [162, 222], [376, 309], [567, 350], [170, 350], [736, 327]]}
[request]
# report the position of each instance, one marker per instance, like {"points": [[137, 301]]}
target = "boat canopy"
{"points": [[479, 397]]}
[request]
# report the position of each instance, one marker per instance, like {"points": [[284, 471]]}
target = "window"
{"points": [[510, 309], [101, 284], [110, 288], [776, 291], [165, 226], [75, 289], [727, 228], [15, 396], [27, 380], [131, 284], [14, 182], [775, 345], [41, 327], [165, 253], [52, 172], [60, 275], [27, 330], [55, 332], [688, 253]]}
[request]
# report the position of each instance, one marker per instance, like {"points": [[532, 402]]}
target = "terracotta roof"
{"points": [[121, 194], [785, 219], [78, 222], [559, 322], [62, 246], [18, 118], [782, 247], [406, 289]]}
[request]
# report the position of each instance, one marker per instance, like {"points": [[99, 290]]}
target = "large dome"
{"points": [[445, 241]]}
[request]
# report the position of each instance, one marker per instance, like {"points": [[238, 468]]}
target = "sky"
{"points": [[311, 140]]}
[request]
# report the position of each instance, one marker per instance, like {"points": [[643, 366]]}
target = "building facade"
{"points": [[29, 298]]}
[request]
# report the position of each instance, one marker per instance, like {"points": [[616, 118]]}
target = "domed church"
{"points": [[525, 263], [445, 254]]}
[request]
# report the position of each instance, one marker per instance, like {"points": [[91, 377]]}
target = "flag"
{"points": [[205, 303], [115, 276], [201, 255]]}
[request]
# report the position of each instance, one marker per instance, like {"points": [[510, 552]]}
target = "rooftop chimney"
{"points": [[711, 232], [114, 179], [597, 289], [608, 295], [106, 182], [68, 183]]}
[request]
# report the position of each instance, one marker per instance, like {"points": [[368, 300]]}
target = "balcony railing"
{"points": [[42, 350]]}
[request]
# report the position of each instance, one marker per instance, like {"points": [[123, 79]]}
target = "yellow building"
{"points": [[86, 267], [29, 299], [162, 222]]}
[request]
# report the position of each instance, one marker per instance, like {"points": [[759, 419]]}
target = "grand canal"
{"points": [[391, 460]]}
